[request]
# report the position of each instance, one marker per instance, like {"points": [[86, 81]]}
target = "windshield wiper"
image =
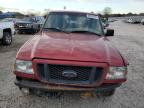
{"points": [[84, 31], [56, 29]]}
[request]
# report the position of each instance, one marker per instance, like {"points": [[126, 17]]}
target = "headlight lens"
{"points": [[117, 73], [24, 66], [28, 25]]}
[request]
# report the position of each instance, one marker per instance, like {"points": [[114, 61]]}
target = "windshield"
{"points": [[74, 22], [28, 19]]}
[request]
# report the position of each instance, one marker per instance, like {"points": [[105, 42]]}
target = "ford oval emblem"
{"points": [[69, 74]]}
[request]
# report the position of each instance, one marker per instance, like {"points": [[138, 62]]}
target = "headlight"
{"points": [[117, 73], [24, 66], [28, 25]]}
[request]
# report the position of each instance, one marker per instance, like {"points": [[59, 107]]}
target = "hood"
{"points": [[72, 46], [23, 22]]}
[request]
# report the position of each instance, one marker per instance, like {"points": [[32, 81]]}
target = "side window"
{"points": [[33, 19], [37, 19], [40, 20]]}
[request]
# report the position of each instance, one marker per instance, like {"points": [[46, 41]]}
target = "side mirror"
{"points": [[109, 32], [37, 20]]}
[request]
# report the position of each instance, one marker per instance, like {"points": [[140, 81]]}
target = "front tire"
{"points": [[7, 38], [20, 32], [108, 93]]}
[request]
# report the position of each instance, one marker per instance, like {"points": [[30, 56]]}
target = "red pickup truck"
{"points": [[71, 53]]}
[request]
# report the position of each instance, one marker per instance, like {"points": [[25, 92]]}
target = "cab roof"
{"points": [[66, 11]]}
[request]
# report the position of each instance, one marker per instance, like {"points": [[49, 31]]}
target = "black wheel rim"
{"points": [[8, 39]]}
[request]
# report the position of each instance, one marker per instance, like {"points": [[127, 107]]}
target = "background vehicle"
{"points": [[6, 32], [30, 24], [71, 53], [134, 19], [14, 20], [142, 21], [111, 20], [129, 20], [105, 22]]}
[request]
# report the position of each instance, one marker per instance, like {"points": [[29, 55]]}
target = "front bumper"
{"points": [[25, 29], [47, 87]]}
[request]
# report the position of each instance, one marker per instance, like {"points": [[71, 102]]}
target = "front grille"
{"points": [[55, 74], [20, 25]]}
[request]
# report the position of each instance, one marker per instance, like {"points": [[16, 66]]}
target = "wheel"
{"points": [[38, 29], [7, 38], [20, 32], [108, 93], [26, 91], [33, 31]]}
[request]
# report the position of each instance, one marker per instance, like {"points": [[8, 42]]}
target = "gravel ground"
{"points": [[129, 39]]}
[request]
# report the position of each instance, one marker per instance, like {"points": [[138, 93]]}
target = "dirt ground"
{"points": [[129, 39]]}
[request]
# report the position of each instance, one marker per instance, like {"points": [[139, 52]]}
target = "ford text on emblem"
{"points": [[69, 74]]}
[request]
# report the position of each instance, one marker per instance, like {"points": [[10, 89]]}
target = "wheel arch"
{"points": [[7, 30]]}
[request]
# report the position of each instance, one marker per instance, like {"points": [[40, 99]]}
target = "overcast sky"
{"points": [[118, 6]]}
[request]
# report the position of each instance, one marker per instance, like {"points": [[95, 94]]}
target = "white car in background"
{"points": [[14, 20], [130, 20], [7, 32], [142, 21]]}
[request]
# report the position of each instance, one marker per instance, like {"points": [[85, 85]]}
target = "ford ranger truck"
{"points": [[71, 53]]}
